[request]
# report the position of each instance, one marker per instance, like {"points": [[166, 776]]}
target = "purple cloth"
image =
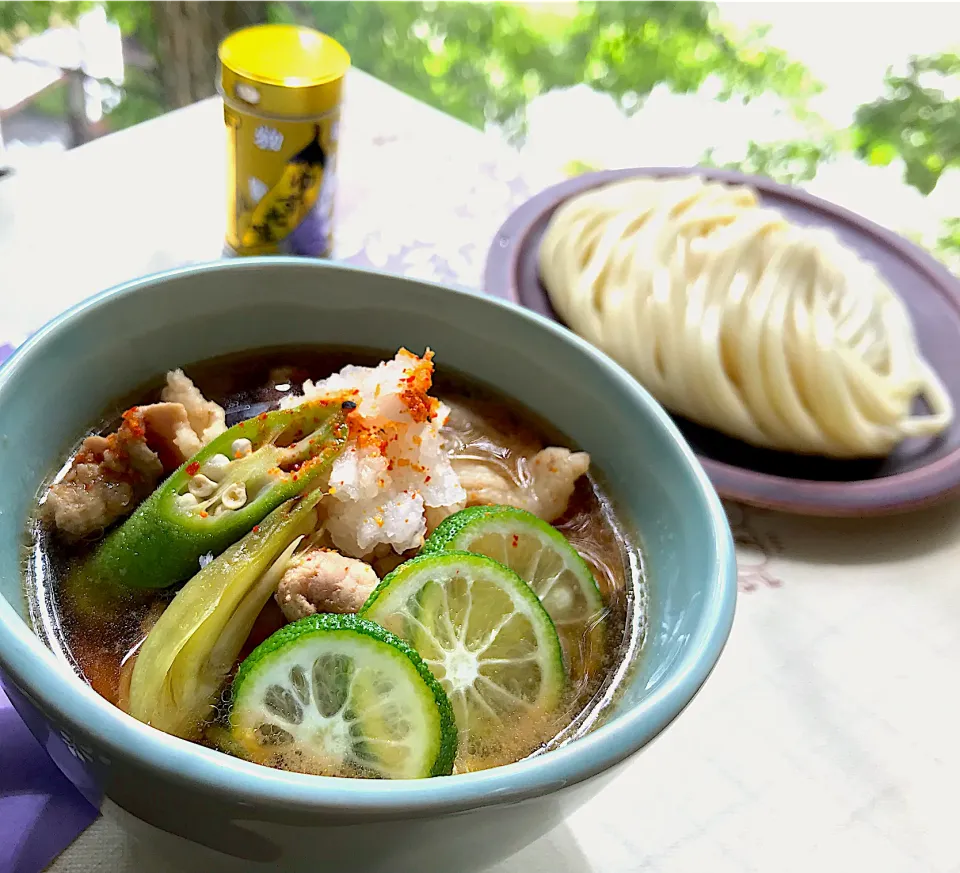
{"points": [[41, 813]]}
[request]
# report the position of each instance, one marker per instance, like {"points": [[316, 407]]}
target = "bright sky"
{"points": [[850, 45]]}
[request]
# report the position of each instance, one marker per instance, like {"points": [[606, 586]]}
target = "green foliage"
{"points": [[789, 162], [914, 121], [51, 102], [948, 245], [20, 20], [482, 62], [134, 20], [141, 99]]}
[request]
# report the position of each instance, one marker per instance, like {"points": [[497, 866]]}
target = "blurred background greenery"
{"points": [[489, 63]]}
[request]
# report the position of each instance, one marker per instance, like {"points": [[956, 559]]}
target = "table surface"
{"points": [[827, 736]]}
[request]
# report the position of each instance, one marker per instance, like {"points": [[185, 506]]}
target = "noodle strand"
{"points": [[776, 334]]}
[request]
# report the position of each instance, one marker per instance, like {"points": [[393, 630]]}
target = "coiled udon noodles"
{"points": [[736, 319]]}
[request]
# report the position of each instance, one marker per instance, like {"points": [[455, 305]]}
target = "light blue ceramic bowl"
{"points": [[208, 811]]}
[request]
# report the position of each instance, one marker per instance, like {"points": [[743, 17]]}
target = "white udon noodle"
{"points": [[736, 319]]}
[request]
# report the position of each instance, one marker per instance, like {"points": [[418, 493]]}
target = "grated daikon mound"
{"points": [[394, 467]]}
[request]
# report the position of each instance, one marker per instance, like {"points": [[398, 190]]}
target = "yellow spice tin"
{"points": [[281, 86]]}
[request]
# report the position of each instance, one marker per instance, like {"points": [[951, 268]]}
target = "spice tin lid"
{"points": [[282, 70]]}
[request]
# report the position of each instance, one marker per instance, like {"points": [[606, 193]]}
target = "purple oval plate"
{"points": [[917, 473]]}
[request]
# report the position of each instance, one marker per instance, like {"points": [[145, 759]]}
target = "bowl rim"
{"points": [[33, 667]]}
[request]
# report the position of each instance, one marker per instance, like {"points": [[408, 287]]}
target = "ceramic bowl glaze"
{"points": [[204, 810]]}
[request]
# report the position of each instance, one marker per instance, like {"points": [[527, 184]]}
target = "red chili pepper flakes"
{"points": [[418, 380], [134, 422], [427, 479], [390, 466], [256, 528], [516, 539], [193, 469], [262, 416], [204, 513]]}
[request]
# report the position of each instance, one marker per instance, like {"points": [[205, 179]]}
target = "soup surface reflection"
{"points": [[492, 443]]}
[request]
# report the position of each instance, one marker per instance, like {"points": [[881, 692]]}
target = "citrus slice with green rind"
{"points": [[485, 635], [338, 695], [540, 555]]}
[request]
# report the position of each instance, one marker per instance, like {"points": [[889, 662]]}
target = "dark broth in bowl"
{"points": [[101, 644]]}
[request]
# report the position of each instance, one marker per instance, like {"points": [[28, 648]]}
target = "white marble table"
{"points": [[826, 739]]}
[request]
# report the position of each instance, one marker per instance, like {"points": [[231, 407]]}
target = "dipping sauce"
{"points": [[487, 442]]}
